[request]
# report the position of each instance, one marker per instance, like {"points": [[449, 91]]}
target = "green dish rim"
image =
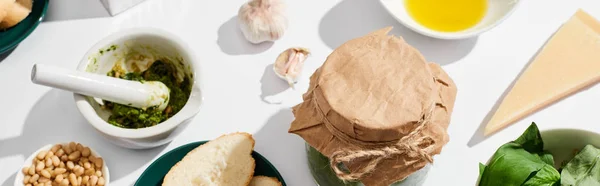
{"points": [[22, 37], [198, 143]]}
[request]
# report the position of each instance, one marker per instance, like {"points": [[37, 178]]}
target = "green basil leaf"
{"points": [[548, 158], [531, 139], [583, 169], [547, 176], [511, 165], [519, 161], [481, 169]]}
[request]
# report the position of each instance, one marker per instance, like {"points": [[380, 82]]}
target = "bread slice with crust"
{"points": [[5, 6], [225, 161], [25, 3], [14, 13], [264, 181]]}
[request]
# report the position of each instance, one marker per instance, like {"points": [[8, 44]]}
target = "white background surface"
{"points": [[242, 93]]}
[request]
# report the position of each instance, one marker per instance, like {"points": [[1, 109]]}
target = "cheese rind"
{"points": [[569, 62]]}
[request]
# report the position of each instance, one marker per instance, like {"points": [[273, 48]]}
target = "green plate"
{"points": [[155, 173], [11, 37]]}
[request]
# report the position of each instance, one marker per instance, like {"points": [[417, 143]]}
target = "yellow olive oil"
{"points": [[447, 15]]}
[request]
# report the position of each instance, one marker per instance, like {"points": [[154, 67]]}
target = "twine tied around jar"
{"points": [[406, 145]]}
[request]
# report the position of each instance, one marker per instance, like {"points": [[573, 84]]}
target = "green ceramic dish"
{"points": [[11, 37], [154, 174]]}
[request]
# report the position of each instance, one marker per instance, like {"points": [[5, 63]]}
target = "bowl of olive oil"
{"points": [[450, 19]]}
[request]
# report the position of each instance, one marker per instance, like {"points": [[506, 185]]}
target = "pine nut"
{"points": [[31, 170], [70, 165], [87, 165], [60, 152], [48, 162], [79, 171], [59, 178], [56, 147], [90, 172], [101, 181], [99, 162], [64, 157], [45, 174], [55, 161], [79, 147], [64, 182], [26, 179], [68, 149], [43, 180], [73, 146], [34, 178], [25, 170], [40, 166], [41, 155], [49, 155], [86, 152], [75, 155], [60, 170], [73, 179], [93, 180], [85, 180]]}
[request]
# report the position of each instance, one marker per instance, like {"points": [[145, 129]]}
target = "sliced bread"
{"points": [[2, 14], [5, 6], [25, 3], [225, 161], [15, 13], [264, 181]]}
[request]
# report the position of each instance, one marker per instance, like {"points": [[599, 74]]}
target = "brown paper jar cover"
{"points": [[373, 94]]}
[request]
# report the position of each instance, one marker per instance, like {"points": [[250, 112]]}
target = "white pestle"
{"points": [[131, 93]]}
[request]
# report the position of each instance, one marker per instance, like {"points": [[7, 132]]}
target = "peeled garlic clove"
{"points": [[262, 20], [289, 63]]}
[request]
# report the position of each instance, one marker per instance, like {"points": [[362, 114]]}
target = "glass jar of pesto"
{"points": [[375, 114], [324, 175]]}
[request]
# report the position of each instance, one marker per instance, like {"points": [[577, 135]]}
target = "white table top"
{"points": [[242, 93]]}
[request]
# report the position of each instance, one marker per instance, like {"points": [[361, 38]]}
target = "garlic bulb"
{"points": [[262, 20], [289, 63]]}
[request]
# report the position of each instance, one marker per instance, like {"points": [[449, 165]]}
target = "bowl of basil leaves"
{"points": [[557, 157]]}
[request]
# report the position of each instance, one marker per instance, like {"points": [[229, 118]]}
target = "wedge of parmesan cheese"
{"points": [[569, 62]]}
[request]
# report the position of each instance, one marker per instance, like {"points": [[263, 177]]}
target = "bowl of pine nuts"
{"points": [[63, 164]]}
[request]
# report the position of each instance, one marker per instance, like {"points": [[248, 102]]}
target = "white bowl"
{"points": [[563, 142], [28, 162], [151, 42], [498, 11]]}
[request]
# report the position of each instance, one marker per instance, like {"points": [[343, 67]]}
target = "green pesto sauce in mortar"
{"points": [[129, 117]]}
